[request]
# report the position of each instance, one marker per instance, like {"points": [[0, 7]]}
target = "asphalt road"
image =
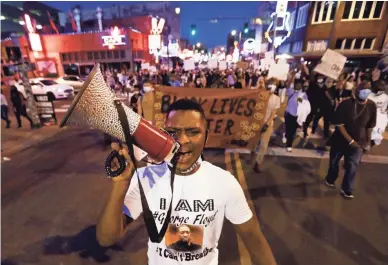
{"points": [[52, 194]]}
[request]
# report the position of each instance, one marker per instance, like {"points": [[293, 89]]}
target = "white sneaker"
{"points": [[284, 139], [289, 149]]}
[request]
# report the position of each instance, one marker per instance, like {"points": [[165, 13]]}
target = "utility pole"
{"points": [[31, 107]]}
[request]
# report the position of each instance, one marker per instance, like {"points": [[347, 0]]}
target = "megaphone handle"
{"points": [[114, 173]]}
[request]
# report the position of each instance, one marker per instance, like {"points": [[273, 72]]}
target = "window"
{"points": [[90, 56], [76, 56], [368, 43], [109, 54], [378, 9], [302, 16], [355, 44], [367, 10], [64, 57], [285, 48], [116, 54], [324, 11], [297, 47], [122, 54], [338, 44], [48, 82], [348, 6], [96, 55], [292, 20], [70, 56], [362, 10], [316, 46], [102, 54]]}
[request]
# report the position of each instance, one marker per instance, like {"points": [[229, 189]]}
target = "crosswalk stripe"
{"points": [[61, 110]]}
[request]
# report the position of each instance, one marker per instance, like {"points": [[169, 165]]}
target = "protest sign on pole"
{"points": [[234, 117], [145, 66], [331, 65], [212, 63], [242, 65]]}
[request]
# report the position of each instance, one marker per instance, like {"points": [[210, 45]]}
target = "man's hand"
{"points": [[300, 100], [129, 169], [354, 144], [366, 148]]}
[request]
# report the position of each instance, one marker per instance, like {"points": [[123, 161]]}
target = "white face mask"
{"points": [[297, 75], [147, 89], [272, 88]]}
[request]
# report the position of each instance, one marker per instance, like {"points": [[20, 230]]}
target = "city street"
{"points": [[53, 192]]}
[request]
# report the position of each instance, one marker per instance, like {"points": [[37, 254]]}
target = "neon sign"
{"points": [[115, 39], [281, 19]]}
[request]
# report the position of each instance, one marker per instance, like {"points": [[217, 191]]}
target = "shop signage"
{"points": [[115, 39], [45, 108]]}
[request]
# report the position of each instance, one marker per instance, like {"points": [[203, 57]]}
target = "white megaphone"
{"points": [[96, 106]]}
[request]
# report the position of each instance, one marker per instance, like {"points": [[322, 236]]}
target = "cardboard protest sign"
{"points": [[145, 66], [332, 64], [235, 117], [243, 65], [222, 65], [279, 71], [212, 63], [188, 64]]}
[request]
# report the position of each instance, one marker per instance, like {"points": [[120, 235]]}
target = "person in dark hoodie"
{"points": [[19, 106]]}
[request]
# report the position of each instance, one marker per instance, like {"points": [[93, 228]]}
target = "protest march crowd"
{"points": [[308, 96]]}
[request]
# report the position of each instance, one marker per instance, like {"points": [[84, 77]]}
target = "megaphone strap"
{"points": [[154, 235]]}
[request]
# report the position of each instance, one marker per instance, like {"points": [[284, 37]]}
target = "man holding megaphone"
{"points": [[200, 195]]}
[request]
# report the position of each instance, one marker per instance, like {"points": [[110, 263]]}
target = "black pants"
{"points": [[291, 127], [4, 114], [315, 117], [21, 111]]}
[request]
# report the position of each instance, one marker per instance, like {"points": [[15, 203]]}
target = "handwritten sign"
{"points": [[188, 64], [222, 65], [234, 117], [332, 64]]}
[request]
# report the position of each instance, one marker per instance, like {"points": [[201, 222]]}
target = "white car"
{"points": [[47, 87], [71, 80]]}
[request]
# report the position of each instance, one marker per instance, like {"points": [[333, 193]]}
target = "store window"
{"points": [[285, 48], [302, 16], [356, 10], [324, 11], [292, 19]]}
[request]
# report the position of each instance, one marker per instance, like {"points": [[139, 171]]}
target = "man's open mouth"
{"points": [[184, 156]]}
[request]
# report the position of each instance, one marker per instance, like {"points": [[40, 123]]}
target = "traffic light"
{"points": [[246, 29], [193, 30]]}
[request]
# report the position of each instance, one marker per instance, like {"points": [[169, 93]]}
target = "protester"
{"points": [[272, 106], [19, 106], [354, 119], [4, 108], [380, 98], [195, 180]]}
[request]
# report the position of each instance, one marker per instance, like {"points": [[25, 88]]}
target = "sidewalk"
{"points": [[14, 140]]}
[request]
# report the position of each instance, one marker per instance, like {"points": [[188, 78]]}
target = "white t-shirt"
{"points": [[201, 200], [380, 100]]}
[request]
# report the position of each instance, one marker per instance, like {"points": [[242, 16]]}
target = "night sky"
{"points": [[198, 13]]}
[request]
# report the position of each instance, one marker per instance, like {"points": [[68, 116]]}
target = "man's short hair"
{"points": [[183, 226], [186, 104]]}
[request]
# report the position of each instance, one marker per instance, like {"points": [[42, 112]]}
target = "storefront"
{"points": [[76, 53]]}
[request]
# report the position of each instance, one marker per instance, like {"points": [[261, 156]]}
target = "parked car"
{"points": [[72, 80], [48, 87]]}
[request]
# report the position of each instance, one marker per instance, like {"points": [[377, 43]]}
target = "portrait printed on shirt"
{"points": [[184, 238]]}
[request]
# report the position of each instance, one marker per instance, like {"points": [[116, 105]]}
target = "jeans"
{"points": [[4, 113], [315, 117], [352, 158], [291, 127]]}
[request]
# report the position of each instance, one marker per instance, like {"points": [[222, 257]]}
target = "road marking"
{"points": [[60, 110], [243, 252], [308, 153]]}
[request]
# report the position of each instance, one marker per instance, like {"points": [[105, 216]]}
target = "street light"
{"points": [[198, 44], [234, 32], [177, 10], [2, 17], [39, 26], [21, 22]]}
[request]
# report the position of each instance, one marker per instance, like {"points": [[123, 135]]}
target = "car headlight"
{"points": [[59, 90]]}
